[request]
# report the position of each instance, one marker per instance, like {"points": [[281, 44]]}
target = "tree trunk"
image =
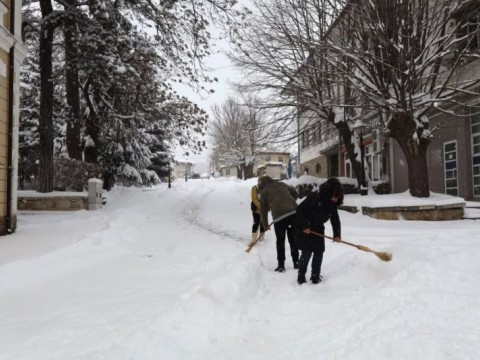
{"points": [[347, 136], [248, 172], [74, 146], [90, 143], [402, 130], [240, 171], [416, 157], [45, 128]]}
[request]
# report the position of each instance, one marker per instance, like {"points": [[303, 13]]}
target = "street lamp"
{"points": [[359, 127]]}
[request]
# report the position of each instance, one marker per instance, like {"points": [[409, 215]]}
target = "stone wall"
{"points": [[60, 203], [426, 213], [316, 167]]}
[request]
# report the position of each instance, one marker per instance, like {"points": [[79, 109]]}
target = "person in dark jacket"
{"points": [[280, 199], [317, 208]]}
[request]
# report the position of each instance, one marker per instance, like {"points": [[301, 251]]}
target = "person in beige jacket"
{"points": [[255, 207], [280, 199]]}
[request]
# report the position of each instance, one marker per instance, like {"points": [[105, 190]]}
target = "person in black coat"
{"points": [[318, 207]]}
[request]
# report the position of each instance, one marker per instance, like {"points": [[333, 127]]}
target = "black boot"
{"points": [[280, 267], [315, 279], [295, 264], [301, 279]]}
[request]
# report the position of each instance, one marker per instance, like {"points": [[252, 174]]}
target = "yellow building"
{"points": [[12, 53], [272, 163], [183, 168]]}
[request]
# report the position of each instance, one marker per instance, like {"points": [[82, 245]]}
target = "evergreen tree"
{"points": [[29, 114], [113, 67]]}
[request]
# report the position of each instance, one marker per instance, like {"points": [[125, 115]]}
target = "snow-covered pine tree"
{"points": [[29, 116], [106, 44]]}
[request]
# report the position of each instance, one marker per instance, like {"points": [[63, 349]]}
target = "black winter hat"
{"points": [[333, 187]]}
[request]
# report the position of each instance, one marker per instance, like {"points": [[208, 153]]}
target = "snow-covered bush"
{"points": [[73, 175], [128, 176], [382, 187], [149, 177]]}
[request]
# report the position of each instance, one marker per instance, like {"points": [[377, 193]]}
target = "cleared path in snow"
{"points": [[162, 274]]}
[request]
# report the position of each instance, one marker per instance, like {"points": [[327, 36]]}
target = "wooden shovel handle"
{"points": [[331, 238], [385, 256], [252, 243]]}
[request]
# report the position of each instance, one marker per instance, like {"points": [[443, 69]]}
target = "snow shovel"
{"points": [[253, 242], [385, 256]]}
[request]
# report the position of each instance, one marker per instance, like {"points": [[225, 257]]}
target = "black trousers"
{"points": [[286, 227], [311, 245], [316, 261], [256, 223]]}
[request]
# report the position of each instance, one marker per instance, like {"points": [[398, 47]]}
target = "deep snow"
{"points": [[162, 274]]}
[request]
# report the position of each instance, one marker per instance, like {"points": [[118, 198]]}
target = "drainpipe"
{"points": [[12, 17], [11, 74], [9, 222], [299, 169]]}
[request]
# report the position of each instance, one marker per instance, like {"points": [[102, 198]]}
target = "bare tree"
{"points": [[279, 52], [345, 61], [238, 131], [409, 60]]}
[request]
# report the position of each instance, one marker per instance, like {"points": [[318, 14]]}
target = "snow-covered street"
{"points": [[162, 274]]}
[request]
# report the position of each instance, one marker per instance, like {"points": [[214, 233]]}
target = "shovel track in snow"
{"points": [[191, 213]]}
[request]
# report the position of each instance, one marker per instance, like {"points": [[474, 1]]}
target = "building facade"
{"points": [[453, 158], [229, 171], [12, 53], [318, 147], [183, 169], [272, 163]]}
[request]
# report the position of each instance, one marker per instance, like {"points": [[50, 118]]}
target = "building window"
{"points": [[3, 12], [268, 158], [374, 162], [319, 131], [466, 21], [476, 155], [348, 167], [315, 133], [332, 165], [450, 167], [305, 139], [280, 159], [471, 31]]}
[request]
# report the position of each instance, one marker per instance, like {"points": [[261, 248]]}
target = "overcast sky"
{"points": [[220, 67], [225, 72]]}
